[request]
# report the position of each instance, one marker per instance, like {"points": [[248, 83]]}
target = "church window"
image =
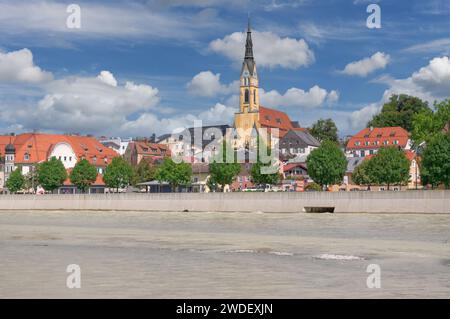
{"points": [[246, 98], [254, 96]]}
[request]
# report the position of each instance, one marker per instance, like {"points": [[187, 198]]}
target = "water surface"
{"points": [[223, 255]]}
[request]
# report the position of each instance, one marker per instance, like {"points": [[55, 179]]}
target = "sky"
{"points": [[134, 68]]}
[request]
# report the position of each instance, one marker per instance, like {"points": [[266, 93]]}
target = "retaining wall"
{"points": [[344, 202]]}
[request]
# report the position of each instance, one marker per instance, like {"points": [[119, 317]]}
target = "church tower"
{"points": [[248, 116]]}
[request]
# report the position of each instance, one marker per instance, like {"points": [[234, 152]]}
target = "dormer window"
{"points": [[278, 120], [26, 157]]}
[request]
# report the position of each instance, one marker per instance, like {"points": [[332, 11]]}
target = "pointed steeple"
{"points": [[249, 42]]}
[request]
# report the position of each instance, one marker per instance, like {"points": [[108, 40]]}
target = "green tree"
{"points": [[362, 175], [399, 111], [259, 178], [16, 181], [222, 171], [327, 164], [31, 179], [427, 124], [118, 174], [325, 130], [145, 171], [389, 167], [435, 166], [175, 174], [313, 187], [51, 174], [83, 175]]}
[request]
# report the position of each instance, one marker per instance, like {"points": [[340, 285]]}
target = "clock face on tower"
{"points": [[246, 74]]}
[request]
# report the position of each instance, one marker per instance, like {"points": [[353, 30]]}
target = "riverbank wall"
{"points": [[420, 202]]}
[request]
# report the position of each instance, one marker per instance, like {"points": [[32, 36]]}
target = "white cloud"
{"points": [[359, 119], [108, 78], [44, 22], [18, 66], [368, 65], [218, 114], [434, 46], [208, 84], [96, 104], [435, 77], [431, 83], [270, 49], [294, 97]]}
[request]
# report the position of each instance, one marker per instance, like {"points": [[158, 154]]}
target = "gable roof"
{"points": [[370, 138], [304, 136], [151, 149], [271, 118]]}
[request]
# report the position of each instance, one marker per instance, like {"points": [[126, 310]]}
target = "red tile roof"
{"points": [[152, 149], [270, 118], [410, 155], [291, 166], [39, 147], [377, 137]]}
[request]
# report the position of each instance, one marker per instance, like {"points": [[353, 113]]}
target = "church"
{"points": [[252, 116]]}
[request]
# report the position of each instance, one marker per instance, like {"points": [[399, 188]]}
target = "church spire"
{"points": [[249, 42]]}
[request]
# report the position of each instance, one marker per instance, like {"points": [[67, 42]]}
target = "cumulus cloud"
{"points": [[208, 84], [295, 97], [269, 48], [18, 66], [430, 83], [108, 78], [360, 117], [366, 66]]}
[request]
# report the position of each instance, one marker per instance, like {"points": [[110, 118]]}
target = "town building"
{"points": [[117, 144], [369, 140], [26, 150], [196, 144], [153, 152], [297, 144]]}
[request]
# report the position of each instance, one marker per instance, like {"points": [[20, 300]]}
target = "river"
{"points": [[223, 255]]}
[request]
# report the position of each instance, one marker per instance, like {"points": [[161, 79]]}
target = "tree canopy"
{"points": [[427, 124], [83, 175], [389, 167], [175, 174], [399, 111], [362, 174], [327, 164], [51, 174], [325, 130], [223, 172], [16, 181], [118, 174], [145, 171], [435, 166]]}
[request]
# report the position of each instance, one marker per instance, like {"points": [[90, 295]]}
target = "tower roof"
{"points": [[10, 149], [249, 59]]}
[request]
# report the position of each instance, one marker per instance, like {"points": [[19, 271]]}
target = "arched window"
{"points": [[246, 97], [254, 96]]}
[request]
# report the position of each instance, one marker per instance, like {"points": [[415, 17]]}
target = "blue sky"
{"points": [[143, 67]]}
